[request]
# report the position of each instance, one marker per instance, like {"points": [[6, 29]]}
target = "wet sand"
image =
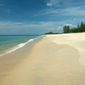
{"points": [[54, 60]]}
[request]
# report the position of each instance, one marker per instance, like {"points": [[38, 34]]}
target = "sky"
{"points": [[39, 16]]}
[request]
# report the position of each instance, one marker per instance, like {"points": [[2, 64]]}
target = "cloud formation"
{"points": [[49, 4], [32, 27], [71, 11], [66, 3], [41, 16], [59, 28]]}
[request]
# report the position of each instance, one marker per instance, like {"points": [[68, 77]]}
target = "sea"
{"points": [[10, 43]]}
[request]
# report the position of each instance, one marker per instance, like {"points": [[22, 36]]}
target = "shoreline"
{"points": [[10, 61], [18, 46], [54, 60]]}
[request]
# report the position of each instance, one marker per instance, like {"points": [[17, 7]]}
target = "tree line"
{"points": [[51, 33], [67, 29], [79, 28]]}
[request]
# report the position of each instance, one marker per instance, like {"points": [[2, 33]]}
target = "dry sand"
{"points": [[54, 60]]}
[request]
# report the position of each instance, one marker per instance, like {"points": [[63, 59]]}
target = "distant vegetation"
{"points": [[67, 29], [79, 28], [51, 33]]}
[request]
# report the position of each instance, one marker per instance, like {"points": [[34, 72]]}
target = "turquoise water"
{"points": [[10, 41]]}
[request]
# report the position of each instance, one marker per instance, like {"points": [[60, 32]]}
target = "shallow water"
{"points": [[9, 43]]}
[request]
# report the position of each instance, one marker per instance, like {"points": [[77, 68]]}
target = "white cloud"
{"points": [[68, 24], [49, 4], [55, 2], [71, 11], [59, 28], [68, 8], [66, 3], [38, 27]]}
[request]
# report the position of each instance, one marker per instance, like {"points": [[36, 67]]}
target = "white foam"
{"points": [[13, 49], [19, 46], [31, 40]]}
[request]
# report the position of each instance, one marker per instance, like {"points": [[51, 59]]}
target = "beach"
{"points": [[57, 59]]}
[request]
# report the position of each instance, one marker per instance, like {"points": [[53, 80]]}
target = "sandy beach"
{"points": [[57, 59]]}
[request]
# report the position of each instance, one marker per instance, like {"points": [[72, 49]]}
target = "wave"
{"points": [[19, 46]]}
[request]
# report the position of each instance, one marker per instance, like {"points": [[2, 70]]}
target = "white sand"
{"points": [[75, 40], [55, 60]]}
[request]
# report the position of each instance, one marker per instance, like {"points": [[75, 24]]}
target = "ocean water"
{"points": [[10, 43]]}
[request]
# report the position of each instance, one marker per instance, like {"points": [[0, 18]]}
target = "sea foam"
{"points": [[19, 46]]}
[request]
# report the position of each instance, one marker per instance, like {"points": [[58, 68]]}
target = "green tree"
{"points": [[80, 28], [66, 29]]}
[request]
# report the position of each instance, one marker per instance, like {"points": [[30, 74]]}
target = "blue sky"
{"points": [[39, 16]]}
